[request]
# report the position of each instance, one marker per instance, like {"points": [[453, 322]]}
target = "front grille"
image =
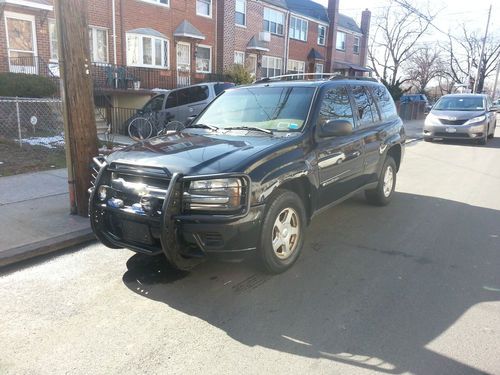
{"points": [[452, 122]]}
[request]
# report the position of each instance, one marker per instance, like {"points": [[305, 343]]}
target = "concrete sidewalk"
{"points": [[35, 217]]}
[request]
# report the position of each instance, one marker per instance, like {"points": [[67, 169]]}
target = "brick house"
{"points": [[146, 44]]}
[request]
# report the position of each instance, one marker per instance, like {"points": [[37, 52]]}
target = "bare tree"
{"points": [[423, 66], [397, 28], [462, 53]]}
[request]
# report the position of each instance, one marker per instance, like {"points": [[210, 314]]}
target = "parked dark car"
{"points": [[418, 98], [461, 116], [250, 172]]}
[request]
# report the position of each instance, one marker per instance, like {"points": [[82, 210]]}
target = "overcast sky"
{"points": [[453, 12]]}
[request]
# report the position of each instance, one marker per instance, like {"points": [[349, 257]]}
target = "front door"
{"points": [[183, 64], [251, 64], [21, 43], [340, 159]]}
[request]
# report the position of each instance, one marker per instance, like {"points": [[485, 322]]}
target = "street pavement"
{"points": [[411, 288]]}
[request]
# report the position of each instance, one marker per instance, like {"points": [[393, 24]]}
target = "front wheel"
{"points": [[382, 194], [283, 229]]}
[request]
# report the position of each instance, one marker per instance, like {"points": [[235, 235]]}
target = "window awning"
{"points": [[257, 45], [346, 65], [147, 31], [315, 55], [187, 30], [37, 4]]}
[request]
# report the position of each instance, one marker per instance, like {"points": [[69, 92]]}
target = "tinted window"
{"points": [[385, 102], [198, 94], [155, 104], [171, 100], [219, 87], [367, 112], [183, 96], [336, 105]]}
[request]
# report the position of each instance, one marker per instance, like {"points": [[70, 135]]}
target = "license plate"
{"points": [[451, 130]]}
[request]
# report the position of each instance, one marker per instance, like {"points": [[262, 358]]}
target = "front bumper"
{"points": [[475, 131], [181, 237]]}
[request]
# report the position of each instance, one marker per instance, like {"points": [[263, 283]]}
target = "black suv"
{"points": [[250, 172]]}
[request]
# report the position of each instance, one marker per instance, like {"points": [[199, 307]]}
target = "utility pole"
{"points": [[78, 102], [482, 52], [496, 80]]}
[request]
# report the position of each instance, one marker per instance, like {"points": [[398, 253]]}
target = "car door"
{"points": [[371, 129], [169, 111], [198, 99], [339, 159], [183, 100]]}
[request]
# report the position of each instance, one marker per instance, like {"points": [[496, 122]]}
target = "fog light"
{"points": [[102, 193]]}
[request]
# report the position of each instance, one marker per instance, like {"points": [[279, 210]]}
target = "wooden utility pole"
{"points": [[480, 63], [77, 97]]}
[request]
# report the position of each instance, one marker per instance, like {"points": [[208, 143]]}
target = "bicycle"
{"points": [[142, 128]]}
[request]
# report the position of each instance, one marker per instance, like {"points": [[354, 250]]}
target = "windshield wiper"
{"points": [[203, 126], [250, 128]]}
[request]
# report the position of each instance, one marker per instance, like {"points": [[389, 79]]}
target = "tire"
{"points": [[382, 194], [280, 245], [140, 128], [492, 135], [483, 140]]}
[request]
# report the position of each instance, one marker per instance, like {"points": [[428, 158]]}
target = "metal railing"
{"points": [[116, 118]]}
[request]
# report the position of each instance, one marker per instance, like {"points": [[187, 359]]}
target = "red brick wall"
{"points": [[348, 55], [298, 50]]}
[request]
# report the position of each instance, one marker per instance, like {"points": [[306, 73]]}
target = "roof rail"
{"points": [[297, 76], [329, 76]]}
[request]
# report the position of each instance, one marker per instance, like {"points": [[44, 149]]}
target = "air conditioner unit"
{"points": [[265, 36]]}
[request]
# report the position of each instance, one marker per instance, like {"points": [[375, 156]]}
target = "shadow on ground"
{"points": [[373, 287]]}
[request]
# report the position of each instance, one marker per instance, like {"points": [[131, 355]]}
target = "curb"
{"points": [[44, 247]]}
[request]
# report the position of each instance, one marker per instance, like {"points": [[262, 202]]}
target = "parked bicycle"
{"points": [[152, 124]]}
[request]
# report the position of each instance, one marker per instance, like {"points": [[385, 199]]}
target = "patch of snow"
{"points": [[49, 142]]}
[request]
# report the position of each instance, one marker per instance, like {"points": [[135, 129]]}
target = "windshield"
{"points": [[273, 108], [460, 104]]}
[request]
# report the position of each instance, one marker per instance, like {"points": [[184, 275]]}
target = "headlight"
{"points": [[221, 194], [431, 120], [476, 119]]}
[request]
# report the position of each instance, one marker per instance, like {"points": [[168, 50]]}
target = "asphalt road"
{"points": [[409, 288]]}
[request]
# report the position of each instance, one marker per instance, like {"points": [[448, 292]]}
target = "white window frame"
{"points": [[165, 54], [299, 64], [241, 54], [343, 42], [274, 14], [157, 2], [322, 68], [94, 43], [209, 15], [297, 20], [52, 21], [356, 45], [324, 35], [244, 13], [277, 64], [22, 17], [210, 61]]}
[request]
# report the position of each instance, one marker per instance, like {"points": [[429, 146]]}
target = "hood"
{"points": [[457, 115], [193, 153]]}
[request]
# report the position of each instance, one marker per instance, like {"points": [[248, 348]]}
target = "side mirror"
{"points": [[335, 128], [190, 119]]}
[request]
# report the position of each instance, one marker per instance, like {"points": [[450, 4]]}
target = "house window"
{"points": [[340, 41], [321, 35], [298, 29], [204, 8], [98, 44], [161, 2], [271, 66], [355, 46], [296, 67], [239, 58], [240, 12], [273, 21], [319, 68], [147, 51], [54, 54], [203, 59]]}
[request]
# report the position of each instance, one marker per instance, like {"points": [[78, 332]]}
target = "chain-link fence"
{"points": [[31, 134]]}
